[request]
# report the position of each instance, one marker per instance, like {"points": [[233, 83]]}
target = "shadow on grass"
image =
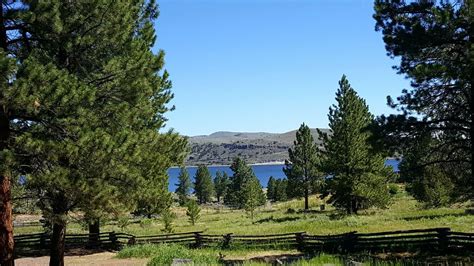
{"points": [[433, 216], [312, 212], [337, 215], [33, 253], [322, 258], [271, 219]]}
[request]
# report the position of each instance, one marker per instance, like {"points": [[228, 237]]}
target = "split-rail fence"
{"points": [[440, 240]]}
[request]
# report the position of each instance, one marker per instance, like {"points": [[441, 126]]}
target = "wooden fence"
{"points": [[39, 244], [436, 240]]}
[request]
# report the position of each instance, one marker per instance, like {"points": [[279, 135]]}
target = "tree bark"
{"points": [[6, 222], [306, 199], [6, 209], [94, 231], [60, 211], [354, 207], [471, 129], [57, 244]]}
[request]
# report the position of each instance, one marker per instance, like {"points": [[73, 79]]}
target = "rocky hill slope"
{"points": [[221, 147]]}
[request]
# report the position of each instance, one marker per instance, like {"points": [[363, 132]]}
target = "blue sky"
{"points": [[269, 65]]}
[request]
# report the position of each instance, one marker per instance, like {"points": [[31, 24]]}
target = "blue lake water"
{"points": [[263, 172]]}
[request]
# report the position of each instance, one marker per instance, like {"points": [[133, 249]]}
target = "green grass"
{"points": [[164, 255], [403, 213]]}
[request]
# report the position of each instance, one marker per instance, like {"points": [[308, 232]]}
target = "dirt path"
{"points": [[105, 259]]}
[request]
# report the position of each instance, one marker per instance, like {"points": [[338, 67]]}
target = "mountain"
{"points": [[221, 147]]}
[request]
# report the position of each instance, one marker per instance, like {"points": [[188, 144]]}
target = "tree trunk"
{"points": [[306, 199], [60, 211], [57, 244], [471, 105], [6, 218], [354, 207], [6, 222], [6, 209], [94, 231]]}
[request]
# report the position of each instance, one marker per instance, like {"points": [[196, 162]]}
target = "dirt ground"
{"points": [[104, 258]]}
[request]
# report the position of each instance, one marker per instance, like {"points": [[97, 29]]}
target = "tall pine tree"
{"points": [[221, 183], [271, 187], [433, 40], [243, 177], [302, 168], [358, 176], [183, 186], [203, 186], [86, 105], [281, 187]]}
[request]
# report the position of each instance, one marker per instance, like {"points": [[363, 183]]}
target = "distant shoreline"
{"points": [[228, 165], [262, 164]]}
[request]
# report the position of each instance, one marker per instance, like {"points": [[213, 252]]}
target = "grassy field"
{"points": [[403, 213], [164, 255]]}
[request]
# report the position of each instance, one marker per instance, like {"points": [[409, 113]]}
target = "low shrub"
{"points": [[393, 189], [146, 222]]}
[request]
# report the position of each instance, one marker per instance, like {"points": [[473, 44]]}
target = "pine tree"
{"points": [[193, 211], [243, 177], [302, 168], [242, 173], [221, 183], [203, 186], [281, 186], [183, 186], [168, 217], [253, 196], [89, 97], [429, 184], [433, 40], [358, 174], [271, 188], [10, 117]]}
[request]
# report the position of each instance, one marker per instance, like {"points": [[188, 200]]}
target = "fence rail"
{"points": [[436, 239]]}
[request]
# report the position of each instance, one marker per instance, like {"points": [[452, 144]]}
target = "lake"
{"points": [[263, 172]]}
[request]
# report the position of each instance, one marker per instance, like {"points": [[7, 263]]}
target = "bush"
{"points": [[146, 223], [193, 211], [393, 189], [123, 222], [434, 188], [167, 217]]}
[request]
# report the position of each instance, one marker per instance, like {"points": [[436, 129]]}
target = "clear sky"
{"points": [[269, 65]]}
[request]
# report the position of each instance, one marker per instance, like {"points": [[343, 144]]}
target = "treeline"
{"points": [[240, 190], [346, 166]]}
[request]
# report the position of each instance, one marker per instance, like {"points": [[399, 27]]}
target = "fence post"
{"points": [[198, 238], [443, 238], [349, 242], [42, 241], [300, 241], [131, 241], [227, 240], [113, 239]]}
